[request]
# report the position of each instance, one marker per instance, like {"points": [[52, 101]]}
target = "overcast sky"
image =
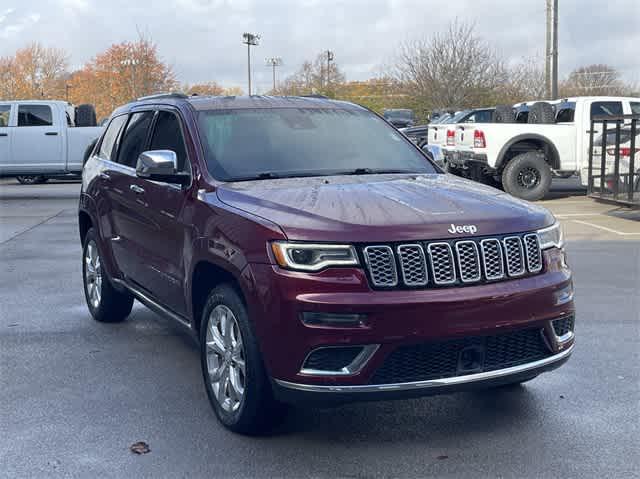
{"points": [[202, 38]]}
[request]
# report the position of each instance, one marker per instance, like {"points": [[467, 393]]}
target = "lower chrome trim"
{"points": [[352, 368], [152, 304], [434, 383]]}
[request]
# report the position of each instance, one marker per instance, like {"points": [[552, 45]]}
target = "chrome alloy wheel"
{"points": [[225, 358], [93, 274]]}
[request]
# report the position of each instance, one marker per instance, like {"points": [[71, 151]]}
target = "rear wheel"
{"points": [[106, 304], [527, 176], [31, 179], [237, 384]]}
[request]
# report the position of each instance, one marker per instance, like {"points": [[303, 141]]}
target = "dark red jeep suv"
{"points": [[317, 255]]}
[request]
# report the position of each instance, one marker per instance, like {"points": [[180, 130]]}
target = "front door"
{"points": [[36, 143], [5, 112]]}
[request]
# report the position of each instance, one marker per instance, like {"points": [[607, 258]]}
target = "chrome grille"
{"points": [[412, 265], [514, 255], [492, 259], [441, 259], [533, 253], [468, 261], [382, 266], [441, 263]]}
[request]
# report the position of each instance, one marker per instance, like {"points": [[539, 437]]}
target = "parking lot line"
{"points": [[610, 230]]}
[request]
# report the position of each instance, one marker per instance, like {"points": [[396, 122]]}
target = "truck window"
{"points": [[134, 139], [607, 108], [107, 147], [565, 115], [167, 135], [5, 110], [635, 107], [35, 115]]}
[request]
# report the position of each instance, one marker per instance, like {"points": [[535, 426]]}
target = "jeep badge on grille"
{"points": [[462, 229]]}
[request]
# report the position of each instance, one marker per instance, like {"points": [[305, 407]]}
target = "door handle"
{"points": [[51, 133], [105, 176], [136, 189]]}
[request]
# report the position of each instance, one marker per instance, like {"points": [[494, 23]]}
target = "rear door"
{"points": [[36, 143], [5, 113]]}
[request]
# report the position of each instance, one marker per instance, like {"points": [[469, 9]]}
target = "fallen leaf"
{"points": [[140, 447]]}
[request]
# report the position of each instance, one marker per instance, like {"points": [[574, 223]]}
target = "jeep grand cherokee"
{"points": [[317, 255]]}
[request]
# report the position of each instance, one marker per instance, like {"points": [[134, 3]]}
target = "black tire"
{"points": [[527, 176], [85, 115], [112, 306], [541, 113], [258, 412], [32, 179], [503, 114], [87, 152]]}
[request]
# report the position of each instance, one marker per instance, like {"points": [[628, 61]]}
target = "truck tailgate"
{"points": [[78, 139]]}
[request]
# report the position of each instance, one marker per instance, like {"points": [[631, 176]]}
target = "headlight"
{"points": [[313, 257], [551, 236]]}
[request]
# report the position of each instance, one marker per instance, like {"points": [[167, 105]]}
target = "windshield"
{"points": [[286, 142]]}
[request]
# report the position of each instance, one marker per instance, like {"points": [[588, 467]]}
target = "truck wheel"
{"points": [[527, 176], [237, 384], [503, 114], [541, 113], [32, 179], [85, 115], [106, 304]]}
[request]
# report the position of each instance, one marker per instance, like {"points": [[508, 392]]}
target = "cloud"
{"points": [[202, 39], [13, 27]]}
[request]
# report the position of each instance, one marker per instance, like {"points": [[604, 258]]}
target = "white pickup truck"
{"points": [[42, 139], [523, 157]]}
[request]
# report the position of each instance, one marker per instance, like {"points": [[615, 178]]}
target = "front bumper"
{"points": [[395, 319]]}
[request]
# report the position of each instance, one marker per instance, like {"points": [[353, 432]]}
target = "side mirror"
{"points": [[161, 165]]}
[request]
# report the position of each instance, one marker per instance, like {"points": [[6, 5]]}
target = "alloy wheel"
{"points": [[528, 178], [93, 274], [226, 365]]}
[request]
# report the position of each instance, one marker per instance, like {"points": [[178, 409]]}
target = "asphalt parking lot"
{"points": [[75, 394]]}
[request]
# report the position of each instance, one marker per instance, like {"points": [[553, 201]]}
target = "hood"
{"points": [[373, 208]]}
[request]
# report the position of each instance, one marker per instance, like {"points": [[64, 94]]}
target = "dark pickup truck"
{"points": [[317, 255]]}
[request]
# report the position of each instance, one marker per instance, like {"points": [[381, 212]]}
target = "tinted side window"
{"points": [[35, 115], [134, 139], [107, 147], [608, 108], [5, 110], [167, 135], [635, 107], [565, 115]]}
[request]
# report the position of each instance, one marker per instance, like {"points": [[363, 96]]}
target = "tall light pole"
{"points": [[329, 54], [274, 62], [133, 63], [551, 59], [249, 39]]}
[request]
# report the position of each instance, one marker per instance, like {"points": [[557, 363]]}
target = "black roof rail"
{"points": [[163, 95], [315, 95]]}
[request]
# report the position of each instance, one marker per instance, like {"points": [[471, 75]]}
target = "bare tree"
{"points": [[312, 78], [455, 68], [597, 79], [525, 82]]}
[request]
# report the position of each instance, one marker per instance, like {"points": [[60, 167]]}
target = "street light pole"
{"points": [[551, 63], [249, 39], [274, 62], [329, 60], [133, 63]]}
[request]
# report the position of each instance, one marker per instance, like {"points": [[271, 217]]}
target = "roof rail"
{"points": [[163, 95], [315, 95]]}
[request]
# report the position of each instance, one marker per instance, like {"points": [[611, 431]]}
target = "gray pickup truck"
{"points": [[41, 139]]}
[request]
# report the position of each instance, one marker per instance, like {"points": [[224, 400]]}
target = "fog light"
{"points": [[334, 320], [564, 295]]}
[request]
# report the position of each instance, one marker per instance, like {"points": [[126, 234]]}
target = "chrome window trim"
{"points": [[393, 264], [484, 261], [537, 238], [424, 264], [477, 256], [506, 256], [432, 383], [354, 367], [453, 263]]}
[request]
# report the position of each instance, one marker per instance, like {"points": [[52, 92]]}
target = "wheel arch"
{"points": [[529, 142]]}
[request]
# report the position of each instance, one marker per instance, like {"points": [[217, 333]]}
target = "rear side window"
{"points": [[108, 145], [167, 135], [606, 108], [482, 116], [635, 107], [565, 115], [35, 115], [134, 139], [5, 110]]}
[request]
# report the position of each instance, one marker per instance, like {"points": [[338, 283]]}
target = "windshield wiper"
{"points": [[372, 171]]}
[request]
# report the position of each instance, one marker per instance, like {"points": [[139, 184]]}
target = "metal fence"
{"points": [[614, 159]]}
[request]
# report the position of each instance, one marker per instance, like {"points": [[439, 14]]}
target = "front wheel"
{"points": [[237, 384], [527, 176], [31, 179]]}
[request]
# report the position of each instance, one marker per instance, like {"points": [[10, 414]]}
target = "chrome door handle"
{"points": [[136, 189], [105, 176]]}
